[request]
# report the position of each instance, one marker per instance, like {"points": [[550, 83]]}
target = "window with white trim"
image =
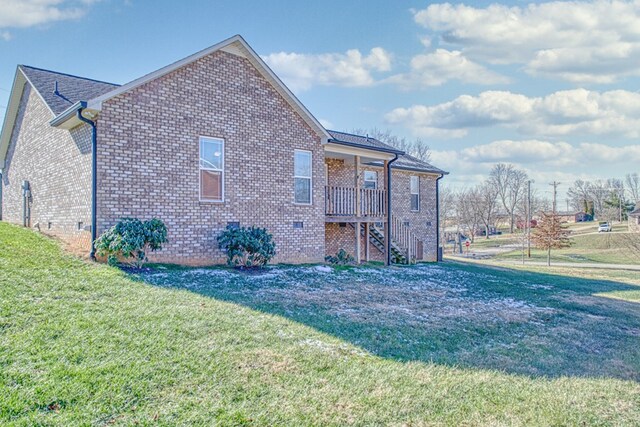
{"points": [[302, 176], [371, 180], [414, 190], [211, 169]]}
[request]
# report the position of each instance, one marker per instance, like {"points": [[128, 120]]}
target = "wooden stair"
{"points": [[376, 238]]}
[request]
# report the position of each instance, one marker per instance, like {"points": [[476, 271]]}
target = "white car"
{"points": [[604, 226]]}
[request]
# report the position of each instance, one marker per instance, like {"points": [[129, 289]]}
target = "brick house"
{"points": [[215, 139]]}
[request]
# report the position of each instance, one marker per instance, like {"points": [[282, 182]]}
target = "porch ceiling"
{"points": [[338, 151]]}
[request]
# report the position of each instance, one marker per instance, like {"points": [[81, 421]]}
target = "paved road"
{"points": [[633, 267]]}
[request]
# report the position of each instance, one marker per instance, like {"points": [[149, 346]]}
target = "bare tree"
{"points": [[467, 212], [417, 148], [579, 195], [549, 234], [487, 204], [447, 208], [633, 186], [510, 184]]}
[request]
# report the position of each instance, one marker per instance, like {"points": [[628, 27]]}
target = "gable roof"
{"points": [[405, 161], [635, 212], [235, 45], [71, 89]]}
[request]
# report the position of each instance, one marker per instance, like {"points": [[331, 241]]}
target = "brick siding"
{"points": [[57, 164], [148, 151], [422, 223]]}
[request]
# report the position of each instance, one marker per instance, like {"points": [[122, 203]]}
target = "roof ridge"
{"points": [[355, 134], [68, 75]]}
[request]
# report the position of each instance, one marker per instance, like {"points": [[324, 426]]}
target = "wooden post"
{"points": [[358, 254], [357, 185], [366, 241]]}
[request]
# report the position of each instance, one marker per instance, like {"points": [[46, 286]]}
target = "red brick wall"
{"points": [[149, 150]]}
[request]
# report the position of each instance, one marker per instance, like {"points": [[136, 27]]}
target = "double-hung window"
{"points": [[371, 180], [414, 190], [211, 169], [302, 176]]}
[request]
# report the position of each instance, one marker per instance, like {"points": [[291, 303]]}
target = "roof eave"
{"points": [[66, 119], [431, 171], [17, 88], [366, 147]]}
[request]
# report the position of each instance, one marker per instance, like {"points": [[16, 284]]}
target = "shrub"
{"points": [[247, 246], [130, 240], [341, 258]]}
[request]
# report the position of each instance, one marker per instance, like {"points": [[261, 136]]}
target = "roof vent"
{"points": [[55, 88]]}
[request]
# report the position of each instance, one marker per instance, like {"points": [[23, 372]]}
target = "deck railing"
{"points": [[360, 202], [405, 239]]}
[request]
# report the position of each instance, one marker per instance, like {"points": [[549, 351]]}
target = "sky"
{"points": [[551, 87]]}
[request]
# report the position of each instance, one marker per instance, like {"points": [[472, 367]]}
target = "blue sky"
{"points": [[548, 86]]}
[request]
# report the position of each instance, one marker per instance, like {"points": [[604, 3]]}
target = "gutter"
{"points": [[438, 254], [94, 178], [68, 113], [387, 241]]}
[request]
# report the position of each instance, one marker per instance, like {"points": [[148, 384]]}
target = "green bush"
{"points": [[341, 258], [247, 246], [130, 240]]}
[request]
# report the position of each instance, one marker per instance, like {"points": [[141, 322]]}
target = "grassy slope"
{"points": [[611, 248], [85, 344]]}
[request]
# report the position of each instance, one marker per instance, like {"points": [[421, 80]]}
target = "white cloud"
{"points": [[29, 13], [544, 161], [302, 71], [438, 67], [577, 111], [5, 35], [580, 41]]}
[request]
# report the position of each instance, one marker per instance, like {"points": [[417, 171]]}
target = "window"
{"points": [[298, 224], [211, 169], [371, 180], [414, 189], [302, 176]]}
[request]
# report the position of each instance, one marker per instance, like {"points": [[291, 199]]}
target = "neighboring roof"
{"points": [[635, 212], [71, 89], [405, 161]]}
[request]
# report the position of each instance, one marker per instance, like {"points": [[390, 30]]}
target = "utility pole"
{"points": [[555, 194], [529, 218]]}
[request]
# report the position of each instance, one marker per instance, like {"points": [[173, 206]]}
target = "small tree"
{"points": [[130, 240], [549, 234], [247, 246]]}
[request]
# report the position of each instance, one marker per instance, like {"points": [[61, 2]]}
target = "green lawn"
{"points": [[610, 248], [84, 344]]}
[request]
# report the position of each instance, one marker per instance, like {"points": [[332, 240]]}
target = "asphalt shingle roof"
{"points": [[71, 88], [405, 161], [635, 212]]}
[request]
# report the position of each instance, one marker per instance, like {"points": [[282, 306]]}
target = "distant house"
{"points": [[634, 220], [213, 140], [582, 217]]}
